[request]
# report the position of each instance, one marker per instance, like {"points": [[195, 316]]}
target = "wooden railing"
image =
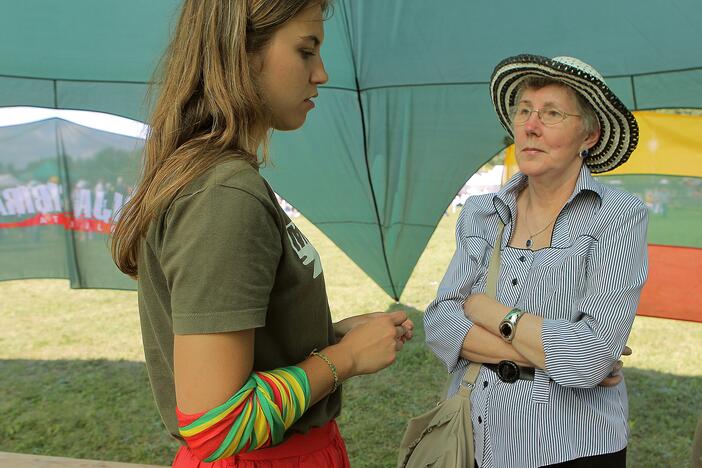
{"points": [[21, 460]]}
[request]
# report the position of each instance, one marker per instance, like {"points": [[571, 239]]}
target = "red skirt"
{"points": [[319, 447]]}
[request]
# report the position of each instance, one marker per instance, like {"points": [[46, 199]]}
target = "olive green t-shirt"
{"points": [[223, 256]]}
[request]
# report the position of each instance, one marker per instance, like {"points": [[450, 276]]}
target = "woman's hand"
{"points": [[373, 341], [477, 303], [342, 327], [370, 342], [615, 376]]}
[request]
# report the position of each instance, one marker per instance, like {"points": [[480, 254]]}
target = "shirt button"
{"points": [[522, 258], [480, 420], [485, 384], [514, 282]]}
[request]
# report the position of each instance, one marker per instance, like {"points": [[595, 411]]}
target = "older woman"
{"points": [[573, 262]]}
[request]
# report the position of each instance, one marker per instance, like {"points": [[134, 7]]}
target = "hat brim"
{"points": [[619, 132]]}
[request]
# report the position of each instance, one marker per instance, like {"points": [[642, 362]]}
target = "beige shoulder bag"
{"points": [[443, 437]]}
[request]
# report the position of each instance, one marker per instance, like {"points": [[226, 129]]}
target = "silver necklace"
{"points": [[530, 240]]}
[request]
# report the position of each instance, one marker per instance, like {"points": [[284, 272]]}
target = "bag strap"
{"points": [[494, 267], [471, 374], [469, 378]]}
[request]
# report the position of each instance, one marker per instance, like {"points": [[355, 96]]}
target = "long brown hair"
{"points": [[208, 106]]}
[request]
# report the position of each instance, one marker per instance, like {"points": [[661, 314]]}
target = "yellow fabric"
{"points": [[261, 424], [511, 167], [294, 388], [669, 144]]}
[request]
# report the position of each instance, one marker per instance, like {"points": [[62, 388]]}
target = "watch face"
{"points": [[506, 329], [508, 371]]}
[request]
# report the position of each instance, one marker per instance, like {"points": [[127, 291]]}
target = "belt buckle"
{"points": [[508, 371]]}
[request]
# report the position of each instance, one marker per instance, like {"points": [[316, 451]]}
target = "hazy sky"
{"points": [[107, 122]]}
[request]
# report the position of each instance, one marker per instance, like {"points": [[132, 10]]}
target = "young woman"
{"points": [[244, 360]]}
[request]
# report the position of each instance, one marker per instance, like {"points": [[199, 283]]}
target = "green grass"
{"points": [[73, 382]]}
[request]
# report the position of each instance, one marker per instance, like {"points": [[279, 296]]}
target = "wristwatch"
{"points": [[508, 325]]}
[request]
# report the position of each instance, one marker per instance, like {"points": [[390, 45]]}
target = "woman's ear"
{"points": [[256, 62], [592, 138]]}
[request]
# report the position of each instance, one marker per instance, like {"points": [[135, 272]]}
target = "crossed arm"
{"points": [[480, 345], [581, 353], [486, 315]]}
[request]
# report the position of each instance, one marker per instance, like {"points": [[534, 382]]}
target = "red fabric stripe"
{"points": [[184, 419], [277, 399], [674, 273], [68, 221]]}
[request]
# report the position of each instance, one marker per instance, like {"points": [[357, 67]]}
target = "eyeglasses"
{"points": [[548, 116]]}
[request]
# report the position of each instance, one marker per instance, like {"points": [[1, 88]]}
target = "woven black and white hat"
{"points": [[619, 132]]}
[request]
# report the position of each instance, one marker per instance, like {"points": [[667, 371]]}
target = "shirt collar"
{"points": [[587, 182], [505, 201]]}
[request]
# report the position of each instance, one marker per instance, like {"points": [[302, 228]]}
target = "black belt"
{"points": [[510, 372]]}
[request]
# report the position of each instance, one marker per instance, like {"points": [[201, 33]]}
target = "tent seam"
{"points": [[365, 155]]}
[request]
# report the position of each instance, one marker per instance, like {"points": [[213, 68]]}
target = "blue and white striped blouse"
{"points": [[586, 286]]}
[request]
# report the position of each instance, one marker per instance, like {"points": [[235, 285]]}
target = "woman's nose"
{"points": [[319, 75], [533, 122]]}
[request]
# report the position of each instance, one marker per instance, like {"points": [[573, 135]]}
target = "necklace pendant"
{"points": [[528, 243]]}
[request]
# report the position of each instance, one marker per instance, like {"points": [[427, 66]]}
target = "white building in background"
{"points": [[481, 182], [287, 207]]}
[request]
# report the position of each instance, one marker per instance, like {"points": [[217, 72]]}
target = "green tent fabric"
{"points": [[405, 118]]}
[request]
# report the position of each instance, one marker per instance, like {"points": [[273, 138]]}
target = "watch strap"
{"points": [[514, 315]]}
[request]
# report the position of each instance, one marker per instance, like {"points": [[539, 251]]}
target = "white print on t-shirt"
{"points": [[304, 248]]}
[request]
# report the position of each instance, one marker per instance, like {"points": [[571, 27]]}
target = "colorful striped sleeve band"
{"points": [[257, 416]]}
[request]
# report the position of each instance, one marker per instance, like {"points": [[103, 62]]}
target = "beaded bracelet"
{"points": [[331, 365]]}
